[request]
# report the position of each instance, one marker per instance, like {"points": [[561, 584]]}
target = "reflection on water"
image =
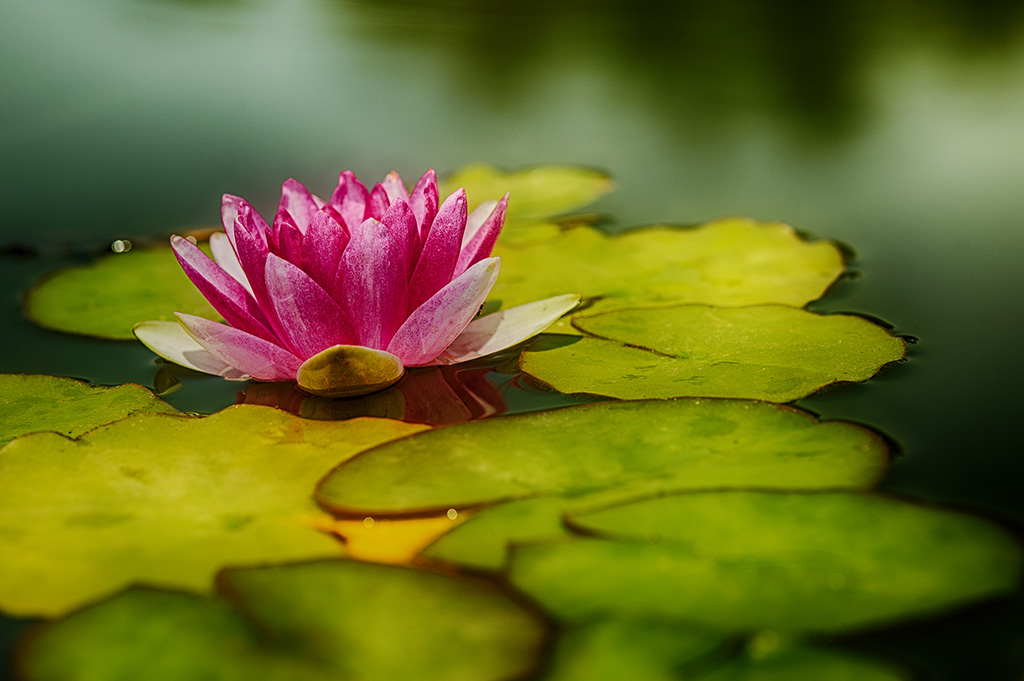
{"points": [[433, 395], [703, 64]]}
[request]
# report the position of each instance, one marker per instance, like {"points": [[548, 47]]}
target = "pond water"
{"points": [[894, 128]]}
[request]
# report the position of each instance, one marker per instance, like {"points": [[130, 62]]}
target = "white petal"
{"points": [[476, 220], [172, 342], [224, 255], [505, 328]]}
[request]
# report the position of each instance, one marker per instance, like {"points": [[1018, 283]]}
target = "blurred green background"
{"points": [[895, 127]]}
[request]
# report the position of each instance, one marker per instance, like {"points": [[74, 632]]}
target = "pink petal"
{"points": [[476, 220], [230, 207], [440, 252], [249, 237], [310, 319], [350, 199], [379, 202], [401, 222], [226, 295], [434, 325], [424, 202], [286, 238], [224, 255], [479, 245], [505, 328], [298, 202], [322, 246], [249, 354], [394, 187], [370, 286]]}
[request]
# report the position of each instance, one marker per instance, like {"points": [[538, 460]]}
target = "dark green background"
{"points": [[895, 127]]}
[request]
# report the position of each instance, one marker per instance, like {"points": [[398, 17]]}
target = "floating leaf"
{"points": [[107, 297], [732, 262], [34, 402], [629, 648], [633, 448], [311, 622], [540, 192], [166, 500], [665, 650], [771, 352], [796, 663], [822, 562]]}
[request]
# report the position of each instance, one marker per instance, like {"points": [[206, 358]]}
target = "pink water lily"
{"points": [[341, 295]]}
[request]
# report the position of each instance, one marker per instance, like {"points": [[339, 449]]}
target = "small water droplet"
{"points": [[367, 521], [452, 514], [121, 246]]}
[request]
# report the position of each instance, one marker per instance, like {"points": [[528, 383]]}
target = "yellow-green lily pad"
{"points": [[800, 562], [768, 352], [34, 402], [731, 262], [534, 193], [107, 297], [628, 449], [166, 500], [308, 622]]}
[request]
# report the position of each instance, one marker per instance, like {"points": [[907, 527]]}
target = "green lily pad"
{"points": [[311, 622], [642, 649], [34, 402], [627, 448], [824, 562], [166, 500], [634, 649], [770, 352], [797, 663], [732, 262], [106, 298], [539, 192]]}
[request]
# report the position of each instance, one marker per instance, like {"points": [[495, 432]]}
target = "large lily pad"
{"points": [[106, 298], [534, 193], [642, 649], [770, 352], [33, 402], [731, 262], [634, 649], [630, 448], [166, 500], [798, 663], [312, 622], [822, 562]]}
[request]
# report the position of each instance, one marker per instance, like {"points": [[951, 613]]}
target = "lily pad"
{"points": [[107, 297], [631, 448], [800, 562], [312, 622], [634, 649], [35, 402], [770, 352], [732, 262], [166, 500], [799, 663], [643, 649], [539, 192]]}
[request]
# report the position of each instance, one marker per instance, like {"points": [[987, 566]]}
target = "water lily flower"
{"points": [[341, 295]]}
